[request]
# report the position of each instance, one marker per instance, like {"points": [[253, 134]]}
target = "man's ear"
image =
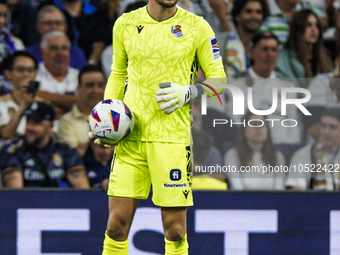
{"points": [[8, 74]]}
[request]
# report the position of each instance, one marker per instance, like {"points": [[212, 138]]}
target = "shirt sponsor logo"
{"points": [[176, 31], [175, 185], [92, 174], [215, 50], [30, 162]]}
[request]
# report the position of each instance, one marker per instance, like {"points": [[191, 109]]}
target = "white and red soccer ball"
{"points": [[111, 121]]}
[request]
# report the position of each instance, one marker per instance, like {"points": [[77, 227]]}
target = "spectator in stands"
{"points": [[254, 148], [58, 81], [304, 55], [89, 27], [323, 154], [205, 157], [22, 68], [4, 88], [106, 57], [22, 17], [220, 133], [38, 159], [281, 12], [325, 92], [8, 43], [262, 79], [220, 11], [73, 126], [248, 16], [97, 161], [51, 18]]}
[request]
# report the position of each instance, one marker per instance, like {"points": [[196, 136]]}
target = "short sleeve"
{"points": [[9, 160], [72, 159]]}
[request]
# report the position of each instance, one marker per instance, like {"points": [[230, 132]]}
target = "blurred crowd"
{"points": [[56, 55]]}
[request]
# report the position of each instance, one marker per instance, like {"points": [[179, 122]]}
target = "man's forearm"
{"points": [[64, 101], [9, 130]]}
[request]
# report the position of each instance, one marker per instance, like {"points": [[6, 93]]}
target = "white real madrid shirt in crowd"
{"points": [[106, 60], [67, 86], [8, 107], [270, 180], [237, 59], [301, 177], [321, 91], [262, 89]]}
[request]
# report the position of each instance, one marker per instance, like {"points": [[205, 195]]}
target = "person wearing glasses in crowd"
{"points": [[51, 18], [21, 68], [73, 126]]}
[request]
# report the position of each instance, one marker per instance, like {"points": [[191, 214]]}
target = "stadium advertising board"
{"points": [[73, 222]]}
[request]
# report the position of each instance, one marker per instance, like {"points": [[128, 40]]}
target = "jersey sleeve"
{"points": [[12, 161], [208, 52], [115, 85], [72, 160]]}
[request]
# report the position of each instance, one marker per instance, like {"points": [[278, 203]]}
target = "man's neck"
{"points": [[331, 149], [17, 94], [245, 37], [160, 13], [41, 144], [261, 72], [287, 8], [58, 74], [84, 108], [73, 8]]}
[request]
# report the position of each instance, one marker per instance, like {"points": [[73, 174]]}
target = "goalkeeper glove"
{"points": [[174, 96], [97, 140]]}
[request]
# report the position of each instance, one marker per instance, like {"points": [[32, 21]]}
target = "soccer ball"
{"points": [[111, 121]]}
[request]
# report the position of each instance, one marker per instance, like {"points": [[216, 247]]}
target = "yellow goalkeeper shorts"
{"points": [[167, 167]]}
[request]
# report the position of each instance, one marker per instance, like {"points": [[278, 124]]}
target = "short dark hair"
{"points": [[4, 2], [9, 61], [263, 35], [332, 112], [239, 5], [89, 69]]}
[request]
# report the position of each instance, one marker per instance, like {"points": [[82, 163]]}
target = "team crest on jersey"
{"points": [[215, 49], [176, 31], [10, 111], [57, 160]]}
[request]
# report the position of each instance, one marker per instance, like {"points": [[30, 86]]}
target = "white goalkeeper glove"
{"points": [[97, 140], [174, 96]]}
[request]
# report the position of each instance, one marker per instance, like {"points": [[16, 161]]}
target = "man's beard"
{"points": [[249, 29], [166, 5], [35, 142]]}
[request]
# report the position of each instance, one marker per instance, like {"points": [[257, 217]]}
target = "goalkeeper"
{"points": [[159, 47]]}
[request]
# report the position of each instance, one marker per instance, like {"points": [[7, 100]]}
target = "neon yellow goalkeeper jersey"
{"points": [[149, 52]]}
